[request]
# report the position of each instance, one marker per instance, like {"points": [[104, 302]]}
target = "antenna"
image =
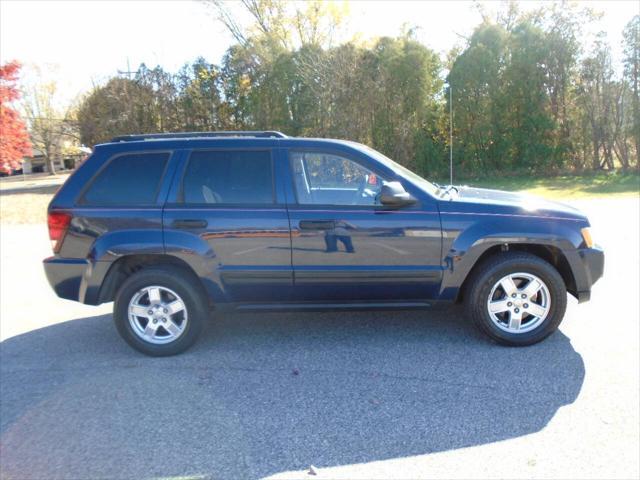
{"points": [[450, 135]]}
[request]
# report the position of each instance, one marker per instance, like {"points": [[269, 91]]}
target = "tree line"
{"points": [[527, 96]]}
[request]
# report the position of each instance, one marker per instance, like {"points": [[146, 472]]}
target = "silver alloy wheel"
{"points": [[519, 302], [157, 315]]}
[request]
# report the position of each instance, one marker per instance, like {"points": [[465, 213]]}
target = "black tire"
{"points": [[487, 274], [179, 281]]}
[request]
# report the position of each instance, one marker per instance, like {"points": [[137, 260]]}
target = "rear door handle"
{"points": [[189, 223], [317, 224]]}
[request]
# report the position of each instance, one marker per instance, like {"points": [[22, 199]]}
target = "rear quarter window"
{"points": [[129, 179]]}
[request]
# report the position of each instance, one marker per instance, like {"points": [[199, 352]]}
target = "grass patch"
{"points": [[24, 208], [565, 186], [24, 200]]}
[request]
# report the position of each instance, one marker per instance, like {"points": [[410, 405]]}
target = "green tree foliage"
{"points": [[597, 89], [199, 97], [631, 43], [526, 97], [530, 132], [155, 101], [120, 106], [477, 79]]}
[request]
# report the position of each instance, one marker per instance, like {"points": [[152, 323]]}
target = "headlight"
{"points": [[586, 236]]}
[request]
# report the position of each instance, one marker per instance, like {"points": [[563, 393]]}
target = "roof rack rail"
{"points": [[230, 133]]}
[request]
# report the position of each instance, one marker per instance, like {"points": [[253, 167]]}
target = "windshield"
{"points": [[403, 171]]}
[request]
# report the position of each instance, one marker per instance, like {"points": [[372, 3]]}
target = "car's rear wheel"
{"points": [[516, 298], [160, 311]]}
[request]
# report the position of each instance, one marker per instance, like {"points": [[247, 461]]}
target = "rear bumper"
{"points": [[77, 279], [65, 276], [588, 273]]}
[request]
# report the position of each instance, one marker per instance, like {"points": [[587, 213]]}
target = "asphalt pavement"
{"points": [[393, 394]]}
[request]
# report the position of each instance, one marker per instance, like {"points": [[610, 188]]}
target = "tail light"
{"points": [[58, 223]]}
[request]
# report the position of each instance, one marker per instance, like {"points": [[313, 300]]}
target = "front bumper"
{"points": [[590, 270]]}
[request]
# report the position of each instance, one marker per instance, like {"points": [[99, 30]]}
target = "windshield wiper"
{"points": [[447, 190]]}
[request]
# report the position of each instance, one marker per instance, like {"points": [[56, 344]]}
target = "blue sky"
{"points": [[80, 43]]}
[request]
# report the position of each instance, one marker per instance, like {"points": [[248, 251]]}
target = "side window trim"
{"points": [[180, 201], [79, 201]]}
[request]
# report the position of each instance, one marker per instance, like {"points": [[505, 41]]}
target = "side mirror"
{"points": [[393, 194]]}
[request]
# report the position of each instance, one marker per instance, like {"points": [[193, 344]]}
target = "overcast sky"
{"points": [[84, 42]]}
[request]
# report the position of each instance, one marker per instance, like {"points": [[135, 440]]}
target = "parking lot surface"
{"points": [[392, 394]]}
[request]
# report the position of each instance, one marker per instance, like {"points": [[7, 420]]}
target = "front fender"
{"points": [[466, 240]]}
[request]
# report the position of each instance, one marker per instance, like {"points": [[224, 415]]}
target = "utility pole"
{"points": [[128, 72], [450, 135]]}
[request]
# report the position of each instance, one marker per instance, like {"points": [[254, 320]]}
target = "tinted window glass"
{"points": [[128, 180], [328, 179], [229, 177]]}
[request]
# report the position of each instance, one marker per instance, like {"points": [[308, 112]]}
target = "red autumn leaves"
{"points": [[14, 139]]}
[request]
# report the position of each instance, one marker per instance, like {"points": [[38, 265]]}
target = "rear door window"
{"points": [[130, 179], [230, 177]]}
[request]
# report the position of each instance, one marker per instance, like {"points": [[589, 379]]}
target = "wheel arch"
{"points": [[549, 253], [127, 265]]}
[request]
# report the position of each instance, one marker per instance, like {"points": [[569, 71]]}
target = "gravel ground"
{"points": [[357, 395]]}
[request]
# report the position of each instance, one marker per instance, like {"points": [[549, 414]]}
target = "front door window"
{"points": [[329, 179]]}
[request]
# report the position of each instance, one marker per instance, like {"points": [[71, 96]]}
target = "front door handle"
{"points": [[189, 223], [317, 224]]}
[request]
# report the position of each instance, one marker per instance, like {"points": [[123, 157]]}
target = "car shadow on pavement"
{"points": [[266, 393]]}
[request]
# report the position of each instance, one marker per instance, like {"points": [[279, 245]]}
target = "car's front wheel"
{"points": [[160, 311], [516, 298]]}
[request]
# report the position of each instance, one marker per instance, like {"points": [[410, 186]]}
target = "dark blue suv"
{"points": [[173, 226]]}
